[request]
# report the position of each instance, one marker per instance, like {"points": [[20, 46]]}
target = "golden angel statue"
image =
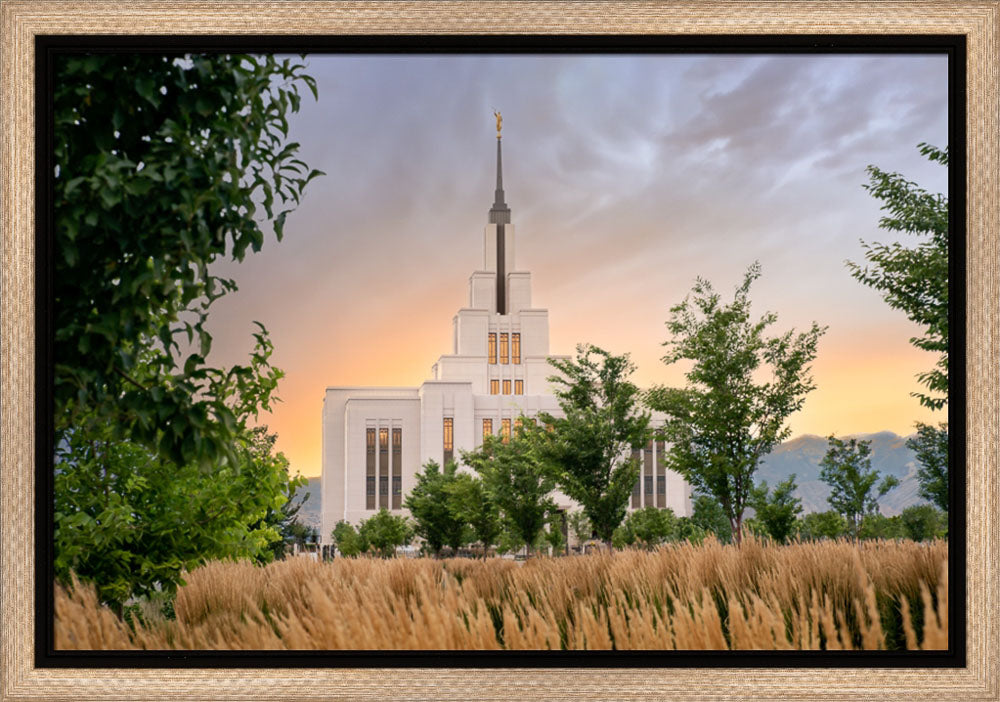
{"points": [[499, 122]]}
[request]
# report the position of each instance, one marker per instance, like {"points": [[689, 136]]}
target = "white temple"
{"points": [[376, 439]]}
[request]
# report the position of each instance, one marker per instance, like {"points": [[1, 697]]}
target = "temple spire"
{"points": [[499, 213]]}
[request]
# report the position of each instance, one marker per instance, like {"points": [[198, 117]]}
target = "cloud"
{"points": [[627, 176]]}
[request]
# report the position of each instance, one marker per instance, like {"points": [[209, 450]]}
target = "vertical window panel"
{"points": [[493, 347], [370, 468], [661, 476], [518, 424], [505, 430], [503, 348], [647, 464], [487, 428], [449, 439], [397, 468], [518, 387], [637, 488], [383, 467], [494, 387], [515, 347], [506, 387]]}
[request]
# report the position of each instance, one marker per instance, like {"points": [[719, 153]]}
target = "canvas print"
{"points": [[500, 352]]}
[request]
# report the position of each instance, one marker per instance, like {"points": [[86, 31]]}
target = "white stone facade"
{"points": [[497, 371]]}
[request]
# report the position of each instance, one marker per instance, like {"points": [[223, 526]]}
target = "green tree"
{"points": [[924, 522], [822, 525], [650, 526], [580, 526], [554, 534], [163, 166], [132, 521], [347, 540], [847, 469], [589, 448], [284, 519], [473, 505], [914, 280], [777, 510], [385, 531], [879, 526], [518, 484], [721, 425], [688, 530], [434, 510], [931, 446], [710, 517]]}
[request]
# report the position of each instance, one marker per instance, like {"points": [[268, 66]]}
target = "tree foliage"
{"points": [[475, 506], [285, 519], [777, 510], [708, 516], [580, 526], [432, 504], [588, 449], [847, 469], [384, 531], [822, 525], [163, 166], [132, 521], [518, 484], [914, 279], [648, 527], [724, 422], [347, 540], [924, 522], [931, 447]]}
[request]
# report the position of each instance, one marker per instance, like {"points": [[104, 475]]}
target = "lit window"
{"points": [[397, 467], [494, 387], [449, 439], [370, 468], [383, 467], [515, 347], [506, 387], [518, 387], [503, 348], [518, 424], [505, 430], [449, 433], [493, 347], [487, 428]]}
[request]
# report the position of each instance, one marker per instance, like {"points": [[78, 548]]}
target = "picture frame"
{"points": [[22, 21]]}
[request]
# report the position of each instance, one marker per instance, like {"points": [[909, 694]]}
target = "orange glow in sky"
{"points": [[627, 177]]}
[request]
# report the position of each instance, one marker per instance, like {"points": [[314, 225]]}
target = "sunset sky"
{"points": [[627, 177]]}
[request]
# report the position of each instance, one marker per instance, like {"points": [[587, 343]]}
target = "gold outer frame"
{"points": [[21, 20]]}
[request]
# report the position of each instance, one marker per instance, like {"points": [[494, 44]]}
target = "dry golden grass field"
{"points": [[826, 595]]}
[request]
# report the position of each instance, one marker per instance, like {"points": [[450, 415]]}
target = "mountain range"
{"points": [[800, 455]]}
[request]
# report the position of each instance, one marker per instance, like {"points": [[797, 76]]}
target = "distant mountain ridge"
{"points": [[310, 514], [802, 455]]}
